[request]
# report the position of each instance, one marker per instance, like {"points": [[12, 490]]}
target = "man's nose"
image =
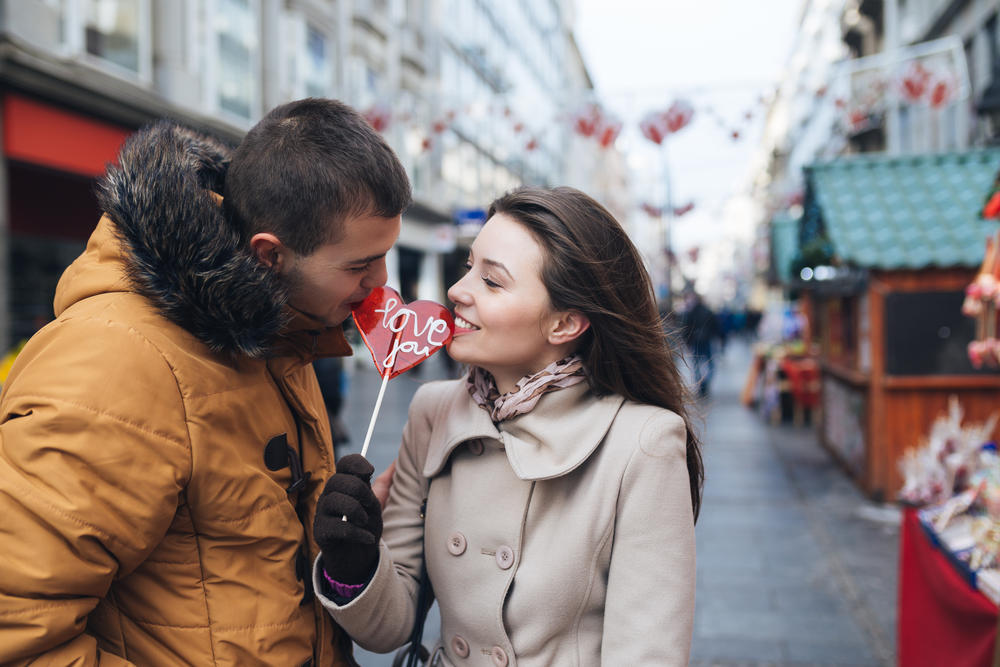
{"points": [[376, 276]]}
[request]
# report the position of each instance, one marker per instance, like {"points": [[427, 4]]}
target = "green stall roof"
{"points": [[907, 212]]}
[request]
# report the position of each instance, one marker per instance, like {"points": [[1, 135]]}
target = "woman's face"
{"points": [[502, 312]]}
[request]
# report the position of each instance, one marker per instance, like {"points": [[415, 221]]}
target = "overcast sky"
{"points": [[718, 54]]}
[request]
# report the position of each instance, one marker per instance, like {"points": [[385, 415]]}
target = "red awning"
{"points": [[42, 134]]}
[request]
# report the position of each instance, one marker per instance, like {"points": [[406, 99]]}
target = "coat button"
{"points": [[460, 646], [476, 447], [505, 558], [456, 544], [499, 656]]}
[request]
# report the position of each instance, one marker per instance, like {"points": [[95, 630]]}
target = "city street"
{"points": [[795, 567]]}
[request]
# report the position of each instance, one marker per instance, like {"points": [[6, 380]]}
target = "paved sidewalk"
{"points": [[795, 567]]}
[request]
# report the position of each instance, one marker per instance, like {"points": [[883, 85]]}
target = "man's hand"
{"points": [[348, 522]]}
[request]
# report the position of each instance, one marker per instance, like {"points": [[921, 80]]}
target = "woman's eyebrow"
{"points": [[498, 265]]}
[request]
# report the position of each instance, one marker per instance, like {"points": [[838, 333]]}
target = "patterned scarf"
{"points": [[483, 388]]}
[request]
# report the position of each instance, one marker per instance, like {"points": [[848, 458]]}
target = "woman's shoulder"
{"points": [[657, 431], [430, 395], [434, 399]]}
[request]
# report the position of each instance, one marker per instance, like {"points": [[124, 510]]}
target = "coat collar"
{"points": [[556, 437], [172, 242]]}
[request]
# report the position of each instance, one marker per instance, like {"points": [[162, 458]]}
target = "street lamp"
{"points": [[657, 126]]}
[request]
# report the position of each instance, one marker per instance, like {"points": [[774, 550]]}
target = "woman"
{"points": [[561, 478]]}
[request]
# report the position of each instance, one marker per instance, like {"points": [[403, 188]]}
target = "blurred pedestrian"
{"points": [[163, 442], [700, 327], [560, 480]]}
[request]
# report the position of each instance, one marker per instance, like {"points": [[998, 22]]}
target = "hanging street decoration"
{"points": [[654, 211], [593, 121], [682, 210], [931, 74], [658, 125], [378, 116], [651, 210], [914, 82]]}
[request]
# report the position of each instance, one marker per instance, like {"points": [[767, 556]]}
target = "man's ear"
{"points": [[567, 327], [269, 250]]}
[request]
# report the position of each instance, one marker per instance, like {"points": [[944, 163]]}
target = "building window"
{"points": [[990, 29], [234, 52], [317, 71], [111, 31]]}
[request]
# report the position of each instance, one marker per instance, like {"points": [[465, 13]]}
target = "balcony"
{"points": [[413, 49], [373, 16]]}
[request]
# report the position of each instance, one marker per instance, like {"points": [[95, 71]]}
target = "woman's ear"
{"points": [[567, 326], [268, 249]]}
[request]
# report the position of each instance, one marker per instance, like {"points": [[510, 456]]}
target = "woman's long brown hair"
{"points": [[592, 267]]}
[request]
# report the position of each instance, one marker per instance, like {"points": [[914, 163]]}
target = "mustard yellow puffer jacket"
{"points": [[139, 523]]}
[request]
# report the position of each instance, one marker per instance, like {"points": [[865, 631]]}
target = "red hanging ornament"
{"points": [[439, 126], [915, 82], [678, 115], [653, 127], [518, 126], [940, 94], [378, 116], [586, 120], [992, 208], [608, 131], [650, 210], [682, 210], [735, 135], [531, 145], [426, 144]]}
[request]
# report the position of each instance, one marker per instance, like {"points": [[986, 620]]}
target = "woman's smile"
{"points": [[462, 325]]}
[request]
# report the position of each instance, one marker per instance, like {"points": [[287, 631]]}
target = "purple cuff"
{"points": [[343, 590]]}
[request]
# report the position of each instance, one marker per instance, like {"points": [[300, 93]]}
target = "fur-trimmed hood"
{"points": [[177, 248]]}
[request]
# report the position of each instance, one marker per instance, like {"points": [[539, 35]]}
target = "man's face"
{"points": [[335, 277]]}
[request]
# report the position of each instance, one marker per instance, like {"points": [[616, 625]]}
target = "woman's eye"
{"points": [[490, 283]]}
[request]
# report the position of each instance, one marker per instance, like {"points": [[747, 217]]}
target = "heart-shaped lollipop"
{"points": [[399, 335]]}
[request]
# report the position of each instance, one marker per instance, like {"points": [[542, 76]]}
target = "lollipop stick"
{"points": [[371, 424]]}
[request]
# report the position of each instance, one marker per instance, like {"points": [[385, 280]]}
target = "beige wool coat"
{"points": [[564, 536]]}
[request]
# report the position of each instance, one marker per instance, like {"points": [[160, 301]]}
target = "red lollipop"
{"points": [[399, 336]]}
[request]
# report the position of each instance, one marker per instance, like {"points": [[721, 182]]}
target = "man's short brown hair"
{"points": [[306, 168]]}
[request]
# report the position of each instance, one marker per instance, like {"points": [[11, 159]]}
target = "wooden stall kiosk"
{"points": [[904, 239]]}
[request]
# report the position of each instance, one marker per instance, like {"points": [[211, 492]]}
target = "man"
{"points": [[700, 326], [163, 442]]}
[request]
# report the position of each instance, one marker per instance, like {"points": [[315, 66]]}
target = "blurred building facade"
{"points": [[469, 93], [878, 153], [893, 76]]}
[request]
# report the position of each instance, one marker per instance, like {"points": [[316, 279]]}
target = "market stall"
{"points": [[902, 238], [949, 583]]}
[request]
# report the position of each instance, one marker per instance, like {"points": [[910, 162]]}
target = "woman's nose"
{"points": [[457, 292]]}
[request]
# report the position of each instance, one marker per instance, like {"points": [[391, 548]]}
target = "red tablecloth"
{"points": [[804, 380], [942, 619]]}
